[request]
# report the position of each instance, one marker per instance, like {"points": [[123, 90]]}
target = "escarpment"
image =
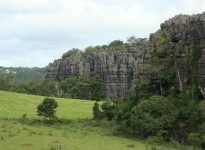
{"points": [[180, 41], [118, 70], [175, 55]]}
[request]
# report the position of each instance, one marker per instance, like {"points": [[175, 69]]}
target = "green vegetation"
{"points": [[72, 87], [137, 42], [20, 132], [47, 108], [114, 46], [83, 88], [15, 105], [96, 111], [163, 40], [76, 135], [192, 61], [163, 75], [152, 116], [71, 53], [158, 110], [24, 73], [158, 118], [26, 80], [6, 80], [89, 50], [31, 86]]}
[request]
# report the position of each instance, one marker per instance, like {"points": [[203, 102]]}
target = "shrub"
{"points": [[195, 139], [96, 111], [152, 115], [108, 110], [71, 53], [47, 108]]}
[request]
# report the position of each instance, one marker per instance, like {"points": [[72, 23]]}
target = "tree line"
{"points": [[72, 87], [24, 73]]}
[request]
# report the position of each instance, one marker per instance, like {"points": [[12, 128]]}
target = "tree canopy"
{"points": [[47, 108]]}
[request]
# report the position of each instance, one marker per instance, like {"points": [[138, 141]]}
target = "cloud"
{"points": [[192, 6], [44, 29], [31, 6], [76, 20]]}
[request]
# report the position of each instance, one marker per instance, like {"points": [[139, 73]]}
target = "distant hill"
{"points": [[25, 73]]}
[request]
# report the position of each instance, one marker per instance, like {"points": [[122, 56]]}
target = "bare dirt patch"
{"points": [[27, 145]]}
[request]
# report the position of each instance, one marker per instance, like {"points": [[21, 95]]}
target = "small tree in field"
{"points": [[96, 111], [47, 108]]}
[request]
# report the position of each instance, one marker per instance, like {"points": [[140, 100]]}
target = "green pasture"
{"points": [[79, 132], [14, 105]]}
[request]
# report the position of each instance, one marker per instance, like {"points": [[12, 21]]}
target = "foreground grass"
{"points": [[79, 132], [76, 135], [71, 136]]}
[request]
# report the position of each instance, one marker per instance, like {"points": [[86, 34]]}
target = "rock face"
{"points": [[176, 39], [120, 71]]}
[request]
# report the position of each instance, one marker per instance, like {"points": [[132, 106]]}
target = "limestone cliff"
{"points": [[121, 70], [176, 40], [118, 70]]}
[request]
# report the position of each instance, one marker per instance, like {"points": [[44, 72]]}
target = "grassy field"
{"points": [[79, 133], [14, 105]]}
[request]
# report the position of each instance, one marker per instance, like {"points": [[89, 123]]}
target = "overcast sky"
{"points": [[35, 32]]}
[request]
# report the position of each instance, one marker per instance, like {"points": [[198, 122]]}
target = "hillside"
{"points": [[14, 105]]}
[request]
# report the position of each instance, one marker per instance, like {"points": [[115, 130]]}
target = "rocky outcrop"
{"points": [[176, 39], [120, 71]]}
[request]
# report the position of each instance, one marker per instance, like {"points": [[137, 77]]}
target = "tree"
{"points": [[89, 50], [97, 85], [48, 88], [108, 110], [67, 85], [189, 116], [71, 53], [24, 73], [116, 43], [132, 40], [162, 73], [47, 108], [153, 115], [81, 90], [6, 80], [117, 46], [33, 86], [96, 111]]}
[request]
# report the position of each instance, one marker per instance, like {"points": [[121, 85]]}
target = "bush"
{"points": [[47, 108], [195, 139], [96, 111], [71, 53], [152, 115], [108, 110]]}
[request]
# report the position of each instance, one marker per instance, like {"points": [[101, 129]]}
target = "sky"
{"points": [[34, 33]]}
